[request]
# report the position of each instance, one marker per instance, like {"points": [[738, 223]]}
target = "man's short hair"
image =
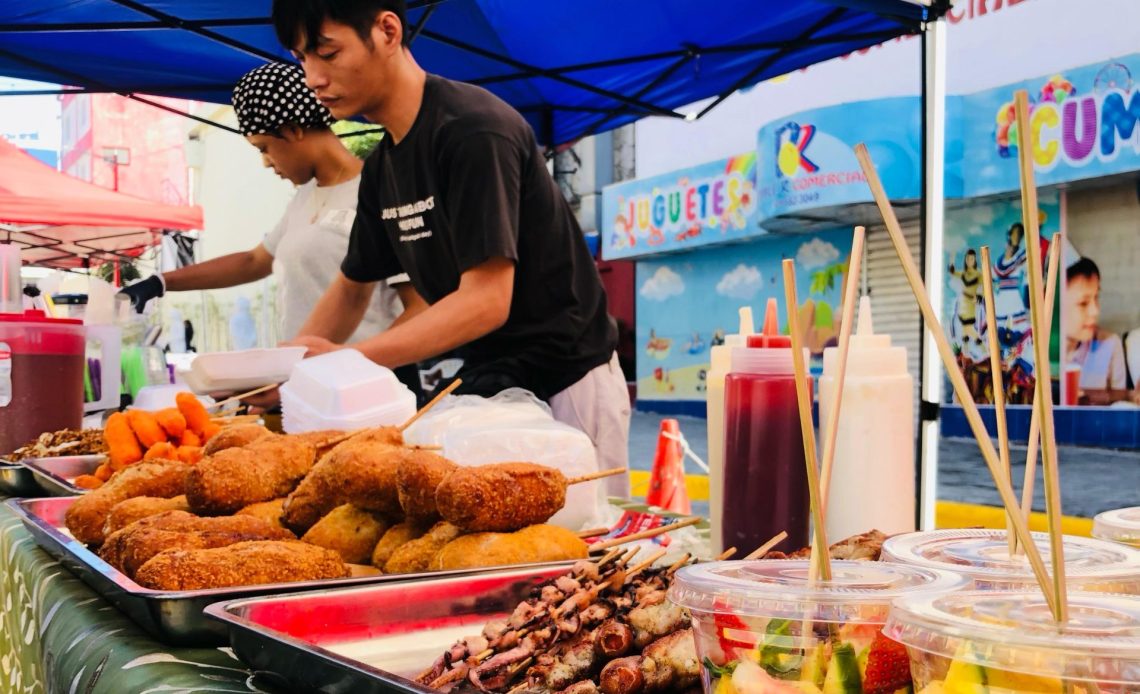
{"points": [[1084, 267], [294, 20]]}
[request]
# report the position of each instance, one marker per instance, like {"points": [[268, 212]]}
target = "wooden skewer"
{"points": [[624, 561], [997, 379], [434, 401], [237, 419], [227, 413], [767, 546], [679, 563], [1042, 367], [242, 396], [649, 561], [957, 381], [645, 534], [610, 556], [595, 475], [821, 562], [592, 532], [726, 554], [831, 427], [1030, 479]]}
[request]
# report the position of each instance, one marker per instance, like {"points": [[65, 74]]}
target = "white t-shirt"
{"points": [[308, 245]]}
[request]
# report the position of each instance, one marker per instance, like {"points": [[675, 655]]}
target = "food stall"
{"points": [[377, 560]]}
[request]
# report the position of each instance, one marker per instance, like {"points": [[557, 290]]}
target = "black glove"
{"points": [[143, 291]]}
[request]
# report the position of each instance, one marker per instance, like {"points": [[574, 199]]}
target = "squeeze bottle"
{"points": [[872, 482], [765, 476], [714, 394]]}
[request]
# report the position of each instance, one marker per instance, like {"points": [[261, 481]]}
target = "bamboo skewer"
{"points": [[242, 396], [595, 476], [679, 563], [629, 555], [726, 554], [957, 381], [997, 380], [1042, 366], [592, 532], [763, 549], [831, 429], [1030, 478], [648, 562], [434, 401], [645, 534], [821, 562]]}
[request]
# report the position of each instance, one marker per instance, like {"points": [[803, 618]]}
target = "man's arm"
{"points": [[218, 273], [414, 304], [479, 306], [339, 310]]}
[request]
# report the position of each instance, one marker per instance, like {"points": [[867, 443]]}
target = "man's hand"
{"points": [[263, 402], [143, 291], [316, 345]]}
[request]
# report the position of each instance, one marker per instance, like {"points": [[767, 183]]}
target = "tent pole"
{"points": [[932, 231]]}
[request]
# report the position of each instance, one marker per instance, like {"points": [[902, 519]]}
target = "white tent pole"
{"points": [[934, 76]]}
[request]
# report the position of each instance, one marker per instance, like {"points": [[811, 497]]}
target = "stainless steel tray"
{"points": [[173, 617], [17, 480], [372, 638], [56, 476]]}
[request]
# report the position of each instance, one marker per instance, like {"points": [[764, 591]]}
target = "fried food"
{"points": [[362, 570], [172, 422], [502, 497], [190, 454], [237, 477], [163, 450], [126, 512], [87, 482], [193, 411], [236, 436], [416, 555], [189, 438], [397, 536], [360, 471], [269, 511], [535, 543], [417, 478], [162, 478], [348, 531], [241, 564], [128, 549], [123, 447], [324, 440], [146, 427]]}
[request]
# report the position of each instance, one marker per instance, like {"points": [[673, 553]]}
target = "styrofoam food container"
{"points": [[343, 383]]}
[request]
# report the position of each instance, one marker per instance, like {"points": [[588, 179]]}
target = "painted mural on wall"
{"points": [[687, 304], [706, 204], [998, 225]]}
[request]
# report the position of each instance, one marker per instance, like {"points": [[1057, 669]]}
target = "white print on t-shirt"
{"points": [[408, 238], [408, 222]]}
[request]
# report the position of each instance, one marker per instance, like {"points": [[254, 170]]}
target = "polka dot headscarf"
{"points": [[274, 95]]}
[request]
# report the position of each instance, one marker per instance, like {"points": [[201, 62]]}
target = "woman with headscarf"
{"points": [[280, 116]]}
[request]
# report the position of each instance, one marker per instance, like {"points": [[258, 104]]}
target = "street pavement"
{"points": [[1092, 479]]}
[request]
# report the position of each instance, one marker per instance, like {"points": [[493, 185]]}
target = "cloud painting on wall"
{"points": [[663, 284], [743, 282], [816, 253]]}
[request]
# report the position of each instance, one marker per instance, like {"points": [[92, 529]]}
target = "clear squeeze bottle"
{"points": [[721, 363], [765, 476], [872, 483]]}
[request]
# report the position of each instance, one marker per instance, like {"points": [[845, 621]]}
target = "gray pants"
{"points": [[598, 405]]}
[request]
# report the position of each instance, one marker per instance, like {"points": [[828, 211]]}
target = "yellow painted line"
{"points": [[952, 514], [949, 514]]}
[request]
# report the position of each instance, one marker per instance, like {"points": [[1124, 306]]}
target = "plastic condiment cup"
{"points": [[1006, 642], [763, 627], [1121, 525], [983, 555]]}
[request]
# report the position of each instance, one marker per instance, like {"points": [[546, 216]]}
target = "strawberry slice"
{"points": [[888, 667]]}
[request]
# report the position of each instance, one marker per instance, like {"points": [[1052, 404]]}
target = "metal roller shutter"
{"points": [[892, 304]]}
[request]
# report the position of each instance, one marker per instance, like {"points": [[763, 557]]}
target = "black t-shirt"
{"points": [[467, 184]]}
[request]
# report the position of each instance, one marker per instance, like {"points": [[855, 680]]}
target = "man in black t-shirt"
{"points": [[458, 196]]}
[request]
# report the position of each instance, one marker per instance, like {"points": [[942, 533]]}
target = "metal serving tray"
{"points": [[173, 617], [56, 476], [371, 638], [17, 480]]}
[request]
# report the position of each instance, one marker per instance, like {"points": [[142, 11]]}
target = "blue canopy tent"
{"points": [[572, 68]]}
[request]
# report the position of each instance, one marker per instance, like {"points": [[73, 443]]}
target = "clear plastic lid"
{"points": [[1015, 632], [984, 556], [857, 592], [1121, 525]]}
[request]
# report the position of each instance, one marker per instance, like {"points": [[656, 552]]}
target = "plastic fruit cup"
{"points": [[983, 555], [1007, 642], [1121, 525], [762, 628]]}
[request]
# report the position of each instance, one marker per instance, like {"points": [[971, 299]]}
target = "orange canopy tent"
{"points": [[63, 222]]}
